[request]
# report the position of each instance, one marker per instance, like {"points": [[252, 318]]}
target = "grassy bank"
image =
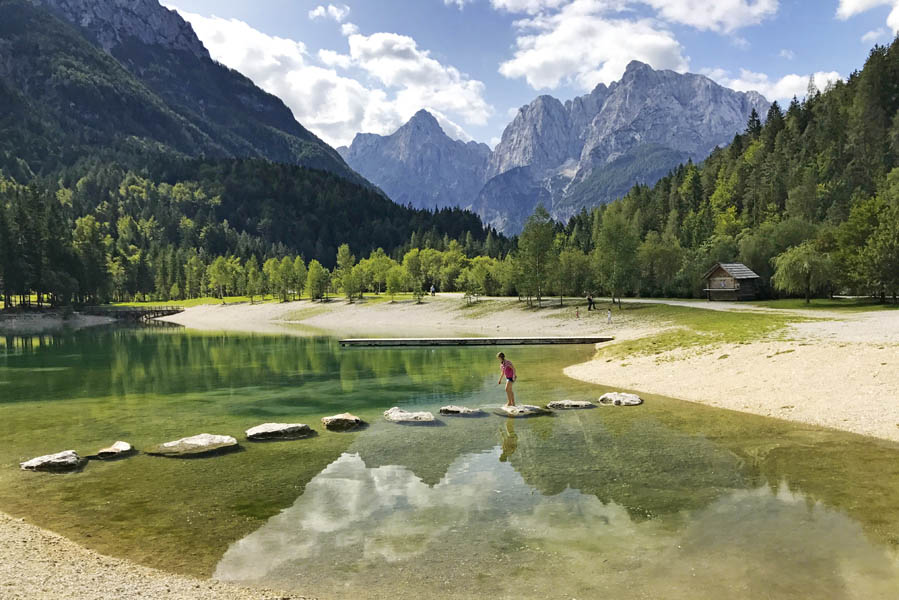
{"points": [[694, 328]]}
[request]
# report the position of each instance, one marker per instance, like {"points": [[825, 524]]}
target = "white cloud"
{"points": [[739, 42], [401, 79], [850, 8], [338, 13], [787, 54], [582, 45], [335, 59], [531, 7], [460, 3], [724, 16], [782, 89], [348, 29], [873, 35]]}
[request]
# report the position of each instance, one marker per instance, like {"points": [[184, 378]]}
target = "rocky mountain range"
{"points": [[572, 155]]}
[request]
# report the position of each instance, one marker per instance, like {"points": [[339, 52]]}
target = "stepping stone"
{"points": [[61, 462], [570, 404], [342, 422], [398, 415], [279, 431], [460, 411], [522, 410], [197, 445], [620, 399], [118, 450]]}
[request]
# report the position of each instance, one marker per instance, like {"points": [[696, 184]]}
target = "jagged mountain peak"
{"points": [[112, 22]]}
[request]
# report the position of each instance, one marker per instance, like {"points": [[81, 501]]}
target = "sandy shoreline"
{"points": [[840, 372]]}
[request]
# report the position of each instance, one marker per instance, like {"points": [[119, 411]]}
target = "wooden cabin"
{"points": [[731, 281]]}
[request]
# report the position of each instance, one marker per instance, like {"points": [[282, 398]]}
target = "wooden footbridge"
{"points": [[474, 341], [133, 313]]}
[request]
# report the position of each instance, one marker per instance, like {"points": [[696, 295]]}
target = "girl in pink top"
{"points": [[507, 372]]}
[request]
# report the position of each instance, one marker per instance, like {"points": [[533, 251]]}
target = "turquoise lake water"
{"points": [[669, 499]]}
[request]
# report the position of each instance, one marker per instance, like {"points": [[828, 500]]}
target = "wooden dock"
{"points": [[132, 313], [474, 341]]}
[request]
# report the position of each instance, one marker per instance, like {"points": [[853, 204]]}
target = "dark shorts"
{"points": [[510, 380]]}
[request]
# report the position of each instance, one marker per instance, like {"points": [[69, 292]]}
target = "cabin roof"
{"points": [[735, 270]]}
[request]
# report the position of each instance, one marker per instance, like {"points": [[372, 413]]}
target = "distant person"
{"points": [[609, 316], [507, 370], [432, 289], [591, 305], [577, 312]]}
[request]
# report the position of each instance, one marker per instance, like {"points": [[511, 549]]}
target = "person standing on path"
{"points": [[609, 316], [507, 371], [590, 304]]}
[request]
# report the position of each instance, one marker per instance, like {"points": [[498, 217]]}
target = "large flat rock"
{"points": [[398, 415], [119, 449], [61, 462], [342, 422], [569, 404], [196, 445], [522, 410], [620, 399], [279, 431], [453, 410]]}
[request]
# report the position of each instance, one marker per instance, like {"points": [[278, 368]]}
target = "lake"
{"points": [[668, 499]]}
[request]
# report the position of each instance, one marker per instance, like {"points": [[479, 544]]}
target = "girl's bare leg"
{"points": [[510, 394]]}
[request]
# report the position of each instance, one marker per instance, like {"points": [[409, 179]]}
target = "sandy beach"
{"points": [[838, 370]]}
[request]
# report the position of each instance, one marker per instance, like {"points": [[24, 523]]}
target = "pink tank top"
{"points": [[508, 370]]}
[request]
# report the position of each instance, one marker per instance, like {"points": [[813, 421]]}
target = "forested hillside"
{"points": [[812, 194]]}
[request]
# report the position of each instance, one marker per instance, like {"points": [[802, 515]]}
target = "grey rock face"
{"points": [[419, 164], [572, 151], [279, 431], [453, 410], [67, 460], [620, 399], [570, 404], [398, 415], [196, 445], [113, 21], [567, 156], [342, 422], [117, 450]]}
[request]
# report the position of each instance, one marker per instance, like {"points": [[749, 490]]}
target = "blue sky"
{"points": [[368, 65]]}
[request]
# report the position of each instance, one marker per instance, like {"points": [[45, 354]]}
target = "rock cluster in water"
{"points": [[279, 431], [206, 444]]}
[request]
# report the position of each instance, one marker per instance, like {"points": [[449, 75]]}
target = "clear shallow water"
{"points": [[667, 500]]}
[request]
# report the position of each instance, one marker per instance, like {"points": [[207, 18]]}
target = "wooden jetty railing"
{"points": [[132, 313], [474, 341]]}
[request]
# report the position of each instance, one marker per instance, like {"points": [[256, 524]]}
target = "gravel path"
{"points": [[38, 564]]}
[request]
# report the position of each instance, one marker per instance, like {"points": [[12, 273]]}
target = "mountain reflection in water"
{"points": [[484, 531]]}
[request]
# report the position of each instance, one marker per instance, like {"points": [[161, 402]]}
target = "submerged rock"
{"points": [[620, 399], [118, 450], [522, 410], [398, 415], [342, 422], [279, 431], [197, 445], [570, 404], [460, 411], [67, 460]]}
